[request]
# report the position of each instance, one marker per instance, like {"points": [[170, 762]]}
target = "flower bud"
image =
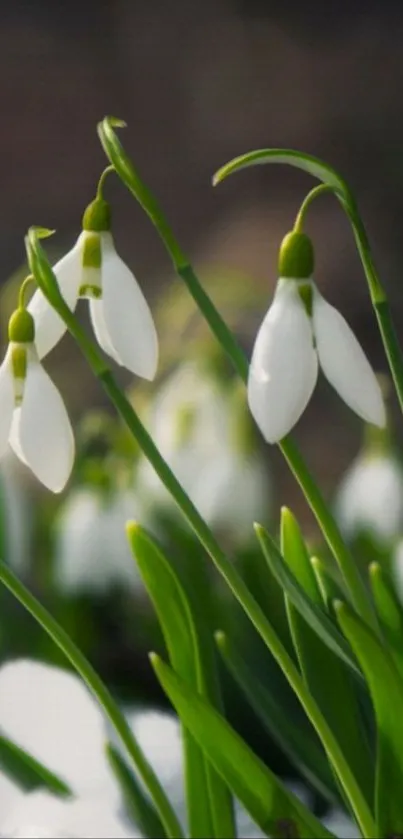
{"points": [[97, 216], [296, 257], [21, 327]]}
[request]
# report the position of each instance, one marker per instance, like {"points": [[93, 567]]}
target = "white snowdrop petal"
{"points": [[128, 319], [42, 430], [100, 329], [48, 712], [40, 814], [159, 736], [6, 403], [284, 366], [79, 546], [345, 364], [49, 327], [370, 497]]}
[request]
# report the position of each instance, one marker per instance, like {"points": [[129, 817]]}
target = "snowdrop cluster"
{"points": [[33, 418], [202, 430], [301, 332], [92, 553]]}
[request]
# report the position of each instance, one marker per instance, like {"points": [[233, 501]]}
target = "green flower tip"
{"points": [[97, 216], [115, 122], [133, 528], [21, 327], [296, 257]]}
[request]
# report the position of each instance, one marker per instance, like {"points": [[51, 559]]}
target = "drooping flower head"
{"points": [[300, 332], [33, 417], [119, 313], [369, 499]]}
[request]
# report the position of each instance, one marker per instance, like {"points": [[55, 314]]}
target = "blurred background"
{"points": [[199, 84]]}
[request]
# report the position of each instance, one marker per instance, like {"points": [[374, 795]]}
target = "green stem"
{"points": [[101, 693], [312, 195], [102, 179], [23, 288]]}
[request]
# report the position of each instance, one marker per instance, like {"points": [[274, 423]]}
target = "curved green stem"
{"points": [[101, 693], [102, 179], [23, 288], [312, 195]]}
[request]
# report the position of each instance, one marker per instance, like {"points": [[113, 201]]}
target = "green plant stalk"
{"points": [[46, 279], [100, 691], [125, 170]]}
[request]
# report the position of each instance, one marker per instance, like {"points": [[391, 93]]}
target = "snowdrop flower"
{"points": [[33, 416], [300, 332], [370, 496], [92, 552], [202, 430], [119, 313], [50, 714]]}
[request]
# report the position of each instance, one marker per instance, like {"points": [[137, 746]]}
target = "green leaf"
{"points": [[295, 736], [270, 804], [312, 165], [386, 689], [296, 555], [26, 771], [138, 807], [389, 611], [326, 676], [329, 589], [209, 801], [315, 617]]}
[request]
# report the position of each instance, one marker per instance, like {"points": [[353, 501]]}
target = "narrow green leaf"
{"points": [[315, 617], [270, 804], [389, 611], [295, 736], [386, 689], [295, 553], [209, 802], [138, 807], [26, 771], [326, 676], [329, 589], [312, 165]]}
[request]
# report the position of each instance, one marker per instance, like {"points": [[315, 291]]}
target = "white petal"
{"points": [[99, 327], [284, 365], [50, 714], [128, 320], [345, 364], [49, 327], [6, 403], [41, 430], [370, 497], [42, 815]]}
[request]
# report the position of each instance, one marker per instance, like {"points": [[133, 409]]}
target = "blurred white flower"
{"points": [[50, 714], [33, 417], [120, 315], [198, 427], [370, 497], [339, 823], [92, 553], [300, 332]]}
